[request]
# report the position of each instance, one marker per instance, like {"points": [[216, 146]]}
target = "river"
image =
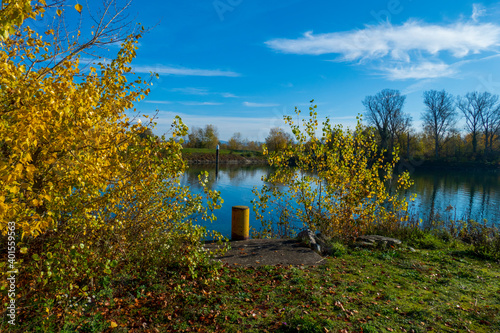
{"points": [[450, 193]]}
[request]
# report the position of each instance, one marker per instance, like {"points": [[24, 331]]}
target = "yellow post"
{"points": [[240, 226]]}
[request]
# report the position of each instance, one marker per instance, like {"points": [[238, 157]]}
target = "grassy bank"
{"points": [[441, 287], [205, 155]]}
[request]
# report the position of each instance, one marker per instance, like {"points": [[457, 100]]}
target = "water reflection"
{"points": [[471, 194], [236, 175]]}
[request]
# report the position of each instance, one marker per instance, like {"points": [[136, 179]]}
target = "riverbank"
{"points": [[447, 165], [208, 156], [438, 288]]}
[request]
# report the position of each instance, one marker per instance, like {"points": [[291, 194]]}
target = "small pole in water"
{"points": [[217, 163], [408, 150]]}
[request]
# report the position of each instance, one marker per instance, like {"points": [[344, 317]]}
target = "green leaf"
{"points": [[5, 35], [36, 257]]}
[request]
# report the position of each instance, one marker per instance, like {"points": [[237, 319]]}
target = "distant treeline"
{"points": [[439, 139]]}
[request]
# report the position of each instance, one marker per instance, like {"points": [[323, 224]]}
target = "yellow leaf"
{"points": [[113, 324], [24, 250], [59, 12], [79, 8], [30, 168]]}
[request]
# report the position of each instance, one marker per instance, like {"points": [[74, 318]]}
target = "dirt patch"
{"points": [[259, 252]]}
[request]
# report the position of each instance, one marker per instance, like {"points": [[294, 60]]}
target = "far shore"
{"points": [[225, 159]]}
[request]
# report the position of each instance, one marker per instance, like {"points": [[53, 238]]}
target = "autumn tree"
{"points": [[236, 142], [278, 139], [385, 113], [336, 185], [195, 138], [254, 146], [207, 137], [439, 117], [77, 178], [210, 137]]}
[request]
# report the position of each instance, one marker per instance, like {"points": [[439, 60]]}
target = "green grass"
{"points": [[221, 151], [436, 290]]}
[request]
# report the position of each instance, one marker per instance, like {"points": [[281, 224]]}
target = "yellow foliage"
{"points": [[336, 184], [77, 171], [70, 158]]}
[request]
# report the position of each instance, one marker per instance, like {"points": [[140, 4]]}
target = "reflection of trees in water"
{"points": [[437, 189], [191, 177], [236, 174]]}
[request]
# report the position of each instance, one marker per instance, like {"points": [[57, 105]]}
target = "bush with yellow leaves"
{"points": [[336, 183], [90, 197]]}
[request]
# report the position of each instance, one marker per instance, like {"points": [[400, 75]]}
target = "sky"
{"points": [[241, 65]]}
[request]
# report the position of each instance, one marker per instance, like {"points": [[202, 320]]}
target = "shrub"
{"points": [[92, 198], [336, 184]]}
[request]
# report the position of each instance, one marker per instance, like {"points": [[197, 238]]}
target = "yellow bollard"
{"points": [[240, 226]]}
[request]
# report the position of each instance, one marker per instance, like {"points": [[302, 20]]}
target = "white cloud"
{"points": [[478, 10], [413, 49], [260, 105], [157, 102], [191, 91], [200, 103], [202, 92], [374, 42], [424, 70], [228, 95], [182, 71]]}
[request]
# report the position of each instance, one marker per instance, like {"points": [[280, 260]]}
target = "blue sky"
{"points": [[241, 65]]}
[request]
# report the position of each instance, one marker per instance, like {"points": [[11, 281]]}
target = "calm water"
{"points": [[452, 194]]}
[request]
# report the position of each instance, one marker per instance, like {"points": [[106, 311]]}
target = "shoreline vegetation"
{"points": [[245, 157], [226, 156]]}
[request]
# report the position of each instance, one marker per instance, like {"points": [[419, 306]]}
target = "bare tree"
{"points": [[385, 113], [439, 117], [495, 128], [479, 110], [490, 120]]}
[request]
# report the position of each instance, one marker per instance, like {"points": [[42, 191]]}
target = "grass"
{"points": [[444, 289], [247, 153]]}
